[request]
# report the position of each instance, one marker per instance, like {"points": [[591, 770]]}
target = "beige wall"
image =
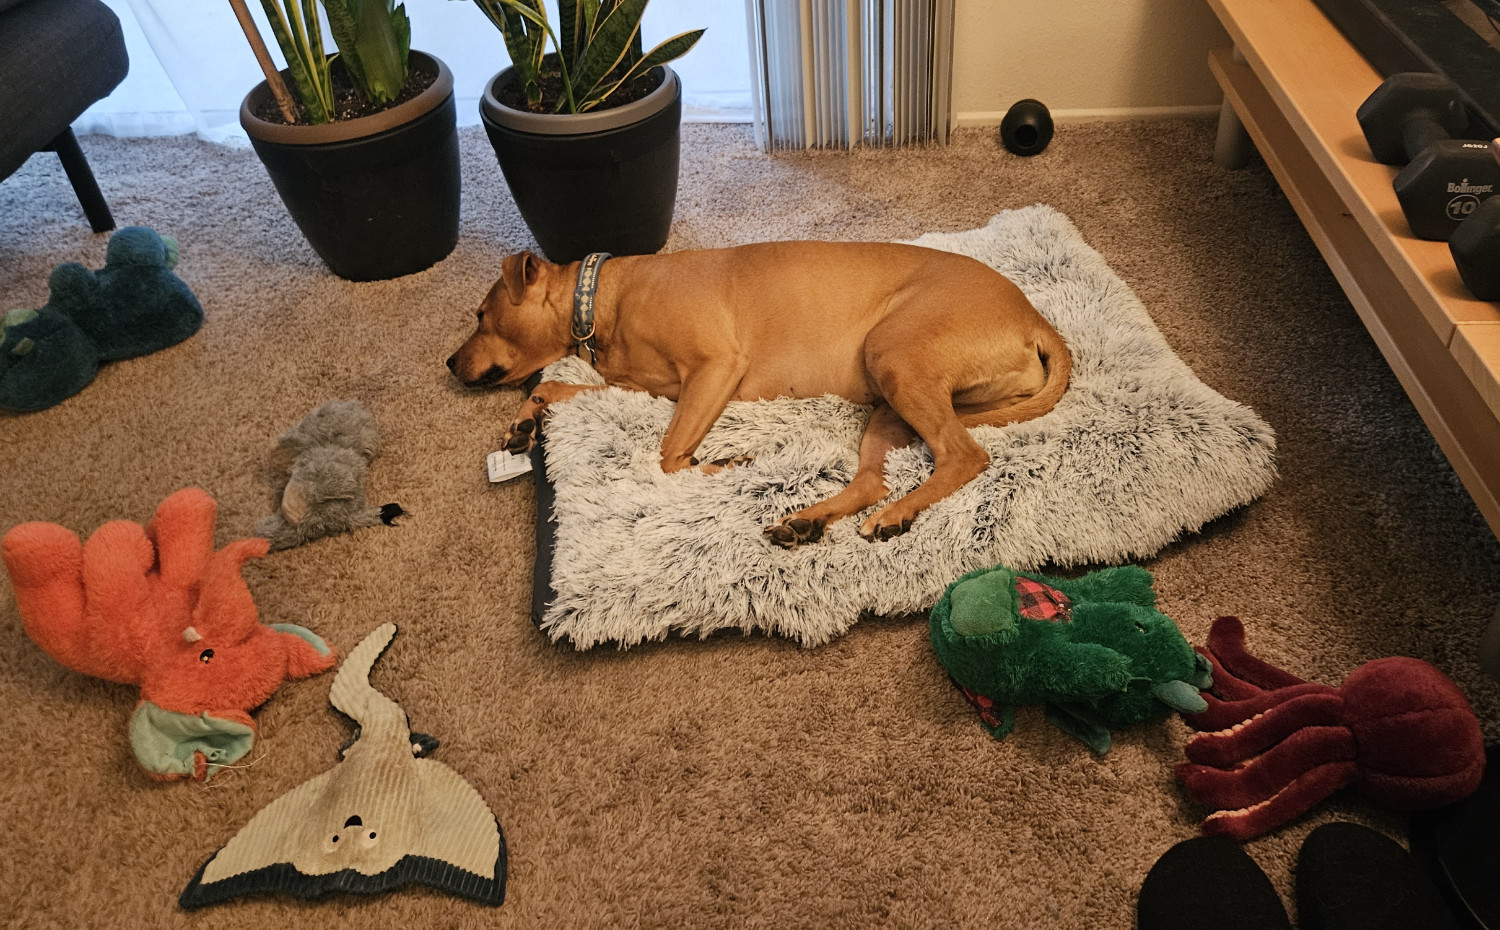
{"points": [[1083, 58]]}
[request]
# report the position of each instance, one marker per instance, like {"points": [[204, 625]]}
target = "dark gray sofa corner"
{"points": [[57, 57]]}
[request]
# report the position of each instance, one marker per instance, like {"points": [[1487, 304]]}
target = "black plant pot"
{"points": [[377, 197], [591, 182]]}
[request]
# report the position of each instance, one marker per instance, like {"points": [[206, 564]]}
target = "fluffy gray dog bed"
{"points": [[1137, 452]]}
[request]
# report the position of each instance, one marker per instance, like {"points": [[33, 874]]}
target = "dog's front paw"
{"points": [[520, 436], [793, 531], [526, 426]]}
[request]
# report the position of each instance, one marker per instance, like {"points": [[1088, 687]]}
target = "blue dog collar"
{"points": [[583, 303]]}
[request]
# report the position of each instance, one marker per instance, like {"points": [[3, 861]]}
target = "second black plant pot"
{"points": [[376, 197], [593, 182]]}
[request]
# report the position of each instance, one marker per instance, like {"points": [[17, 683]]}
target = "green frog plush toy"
{"points": [[131, 306], [1094, 650]]}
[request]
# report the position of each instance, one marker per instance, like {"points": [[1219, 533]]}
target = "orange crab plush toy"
{"points": [[157, 607]]}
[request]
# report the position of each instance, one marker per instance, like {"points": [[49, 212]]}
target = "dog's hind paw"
{"points": [[876, 531], [792, 532]]}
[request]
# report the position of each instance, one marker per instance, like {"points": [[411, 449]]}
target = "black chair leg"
{"points": [[82, 178]]}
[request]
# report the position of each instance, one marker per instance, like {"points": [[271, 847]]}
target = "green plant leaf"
{"points": [[668, 50], [378, 47], [633, 55], [304, 56], [494, 11], [317, 60], [612, 37], [373, 40], [568, 12], [602, 10], [402, 27], [342, 22], [535, 13], [520, 42], [539, 36], [590, 16], [535, 24]]}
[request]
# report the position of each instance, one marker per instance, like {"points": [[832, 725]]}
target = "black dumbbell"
{"points": [[1417, 118], [1476, 246]]}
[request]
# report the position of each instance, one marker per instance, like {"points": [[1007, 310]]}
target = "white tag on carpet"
{"points": [[504, 465]]}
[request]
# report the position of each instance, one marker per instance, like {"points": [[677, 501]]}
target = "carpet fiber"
{"points": [[735, 782], [1136, 452]]}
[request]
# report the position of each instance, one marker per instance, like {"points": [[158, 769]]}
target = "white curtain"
{"points": [[190, 65]]}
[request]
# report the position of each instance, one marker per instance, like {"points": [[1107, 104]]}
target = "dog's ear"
{"points": [[519, 272]]}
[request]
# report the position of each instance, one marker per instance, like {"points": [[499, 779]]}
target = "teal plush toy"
{"points": [[1094, 650], [132, 306]]}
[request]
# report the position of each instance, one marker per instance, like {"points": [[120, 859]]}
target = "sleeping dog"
{"points": [[937, 342]]}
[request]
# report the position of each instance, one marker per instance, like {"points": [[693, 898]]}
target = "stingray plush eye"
{"points": [[367, 839], [205, 656]]}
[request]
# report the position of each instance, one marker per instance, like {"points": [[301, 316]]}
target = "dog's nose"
{"points": [[453, 363]]}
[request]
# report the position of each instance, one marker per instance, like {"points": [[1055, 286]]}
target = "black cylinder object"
{"points": [[612, 191], [1027, 127], [377, 207], [1421, 131]]}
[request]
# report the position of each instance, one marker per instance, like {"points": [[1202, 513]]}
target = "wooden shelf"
{"points": [[1295, 90]]}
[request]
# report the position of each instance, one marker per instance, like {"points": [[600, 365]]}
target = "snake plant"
{"points": [[373, 39], [299, 32], [596, 48]]}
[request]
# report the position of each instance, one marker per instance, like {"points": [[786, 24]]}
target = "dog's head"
{"points": [[520, 331]]}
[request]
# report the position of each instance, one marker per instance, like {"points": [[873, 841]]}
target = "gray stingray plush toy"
{"points": [[320, 477], [383, 817]]}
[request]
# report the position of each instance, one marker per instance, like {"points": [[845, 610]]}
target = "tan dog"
{"points": [[936, 341]]}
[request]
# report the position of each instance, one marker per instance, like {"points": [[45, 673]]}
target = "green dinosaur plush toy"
{"points": [[1095, 650], [44, 357], [132, 306]]}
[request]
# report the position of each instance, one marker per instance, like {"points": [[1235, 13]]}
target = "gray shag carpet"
{"points": [[737, 782], [1137, 452]]}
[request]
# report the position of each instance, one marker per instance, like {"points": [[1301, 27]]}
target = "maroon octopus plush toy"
{"points": [[1274, 745]]}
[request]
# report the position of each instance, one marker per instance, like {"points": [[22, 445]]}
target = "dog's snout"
{"points": [[491, 377], [453, 363]]}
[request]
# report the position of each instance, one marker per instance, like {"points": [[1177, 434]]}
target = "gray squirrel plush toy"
{"points": [[320, 477]]}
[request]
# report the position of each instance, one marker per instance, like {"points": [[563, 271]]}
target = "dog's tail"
{"points": [[1058, 363]]}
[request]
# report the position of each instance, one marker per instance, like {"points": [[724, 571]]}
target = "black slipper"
{"points": [[1208, 882], [1459, 847], [1350, 877]]}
